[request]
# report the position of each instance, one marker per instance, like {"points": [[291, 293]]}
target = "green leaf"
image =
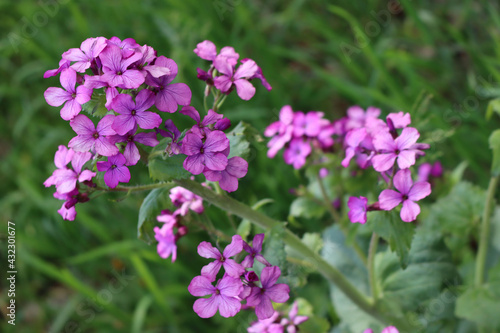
{"points": [[275, 247], [96, 106], [164, 167], [495, 146], [306, 208], [479, 305], [458, 211], [397, 233], [245, 226], [157, 200], [493, 106], [430, 267], [240, 138]]}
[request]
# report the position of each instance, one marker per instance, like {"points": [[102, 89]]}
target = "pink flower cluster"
{"points": [[224, 63], [237, 284], [131, 83], [299, 133], [166, 236], [391, 148], [277, 323]]}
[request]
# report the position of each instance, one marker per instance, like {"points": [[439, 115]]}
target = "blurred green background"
{"points": [[438, 60]]}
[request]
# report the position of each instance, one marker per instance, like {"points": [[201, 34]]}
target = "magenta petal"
{"points": [[56, 96], [104, 147], [83, 95], [235, 247], [132, 79], [403, 181], [409, 211], [190, 111], [279, 293], [406, 159], [246, 70], [265, 308], [81, 143], [206, 50], [269, 276], [244, 89], [68, 79], [111, 178], [86, 175], [213, 176], [390, 329], [206, 250], [194, 164], [383, 162], [79, 159], [146, 138], [216, 141], [383, 141], [229, 306], [201, 286], [419, 191], [63, 156], [257, 242], [349, 154], [123, 104], [216, 162], [122, 124], [191, 144], [211, 270], [148, 120], [170, 97], [389, 199], [131, 154], [407, 138], [206, 307], [70, 110], [227, 182], [223, 66], [104, 125], [223, 83], [232, 268], [229, 286]]}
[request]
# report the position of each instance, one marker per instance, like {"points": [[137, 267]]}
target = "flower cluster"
{"points": [[239, 283], [277, 323], [124, 85], [299, 133], [391, 148], [166, 236], [224, 63]]}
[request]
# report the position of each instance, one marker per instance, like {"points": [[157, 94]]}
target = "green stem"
{"points": [[331, 273], [136, 188], [336, 217], [485, 231], [371, 265]]}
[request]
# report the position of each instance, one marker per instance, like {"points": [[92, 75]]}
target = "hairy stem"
{"points": [[371, 265], [485, 231], [328, 271]]}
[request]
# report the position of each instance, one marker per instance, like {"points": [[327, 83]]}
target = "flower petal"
{"points": [[389, 199], [201, 286], [206, 307], [279, 293], [419, 191], [409, 211], [403, 181]]}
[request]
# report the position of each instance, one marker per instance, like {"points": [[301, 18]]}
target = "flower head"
{"points": [[357, 209], [93, 138], [232, 268], [115, 170]]}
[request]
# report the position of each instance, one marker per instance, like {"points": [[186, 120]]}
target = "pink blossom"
{"points": [[232, 268], [166, 242], [91, 138], [357, 209]]}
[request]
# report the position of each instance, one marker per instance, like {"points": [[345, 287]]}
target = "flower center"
{"points": [[95, 135], [202, 150], [405, 197], [217, 291], [133, 112], [113, 166]]}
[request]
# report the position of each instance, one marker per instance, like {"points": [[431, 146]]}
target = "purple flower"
{"points": [[254, 252], [261, 297], [224, 296], [236, 168], [206, 50], [132, 114], [259, 75], [169, 96], [357, 117], [173, 148], [166, 242], [208, 153], [358, 143], [63, 64], [91, 138], [297, 153], [115, 169], [187, 200], [408, 194], [400, 119], [131, 152], [128, 46], [426, 169], [116, 71], [281, 131], [357, 209], [293, 320], [88, 51], [307, 124], [232, 268], [390, 329], [403, 148], [73, 98], [224, 83], [267, 325]]}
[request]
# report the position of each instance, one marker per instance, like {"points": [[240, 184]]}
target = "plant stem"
{"points": [[331, 273], [336, 217], [371, 265], [485, 231], [136, 188]]}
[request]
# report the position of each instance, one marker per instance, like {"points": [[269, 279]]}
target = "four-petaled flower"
{"points": [[166, 241], [116, 170], [254, 252], [208, 153], [224, 296], [232, 268], [245, 71], [403, 148], [408, 194], [93, 138], [134, 113], [357, 209]]}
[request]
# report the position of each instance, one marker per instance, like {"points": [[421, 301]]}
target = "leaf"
{"points": [[240, 138], [157, 200], [344, 258], [458, 211], [493, 106], [306, 208], [164, 167], [494, 141], [313, 240], [245, 226], [275, 247], [430, 267], [479, 305], [297, 272], [96, 106], [397, 233]]}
